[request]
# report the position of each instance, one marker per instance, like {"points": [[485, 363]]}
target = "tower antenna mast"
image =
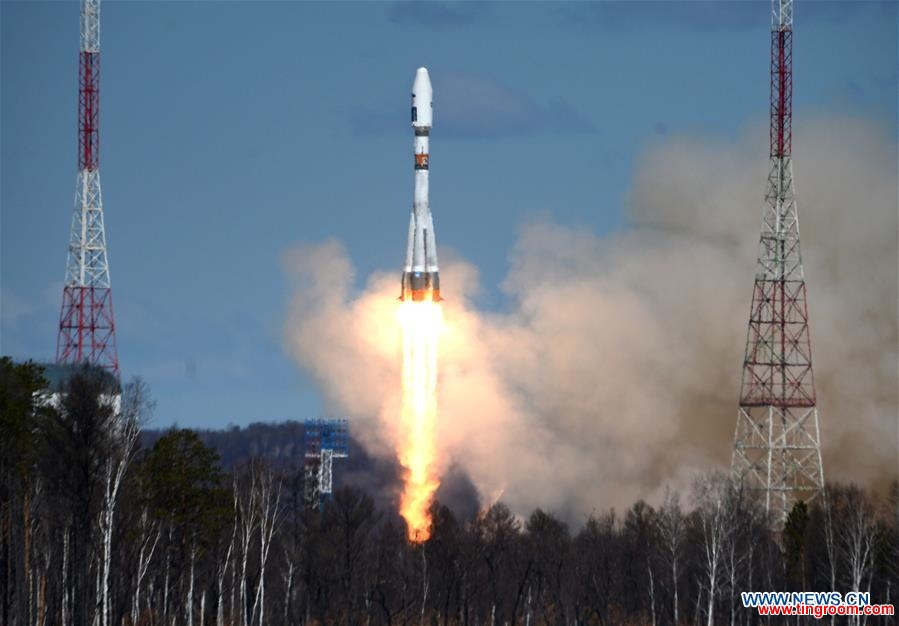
{"points": [[777, 452], [86, 322]]}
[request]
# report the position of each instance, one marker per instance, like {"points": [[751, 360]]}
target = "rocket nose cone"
{"points": [[422, 100], [422, 80]]}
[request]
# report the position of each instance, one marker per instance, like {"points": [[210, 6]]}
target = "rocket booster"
{"points": [[421, 280]]}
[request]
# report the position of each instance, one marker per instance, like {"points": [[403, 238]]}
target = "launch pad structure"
{"points": [[324, 440]]}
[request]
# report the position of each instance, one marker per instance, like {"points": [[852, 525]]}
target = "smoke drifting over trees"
{"points": [[617, 370]]}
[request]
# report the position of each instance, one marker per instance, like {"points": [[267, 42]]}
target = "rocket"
{"points": [[421, 279]]}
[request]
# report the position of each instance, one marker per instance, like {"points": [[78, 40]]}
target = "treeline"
{"points": [[97, 530]]}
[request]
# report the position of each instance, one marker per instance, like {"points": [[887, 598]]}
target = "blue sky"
{"points": [[233, 130]]}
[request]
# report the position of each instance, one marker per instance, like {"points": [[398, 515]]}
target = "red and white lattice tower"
{"points": [[777, 452], [86, 323]]}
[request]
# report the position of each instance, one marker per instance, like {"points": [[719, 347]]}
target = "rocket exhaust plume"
{"points": [[420, 321]]}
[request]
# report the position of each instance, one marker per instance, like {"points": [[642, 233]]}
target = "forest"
{"points": [[102, 526]]}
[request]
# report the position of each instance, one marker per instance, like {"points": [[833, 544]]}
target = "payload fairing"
{"points": [[421, 279]]}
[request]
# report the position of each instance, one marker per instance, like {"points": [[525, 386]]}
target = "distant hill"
{"points": [[283, 442]]}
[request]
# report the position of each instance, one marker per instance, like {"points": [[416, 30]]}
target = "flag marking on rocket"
{"points": [[421, 278]]}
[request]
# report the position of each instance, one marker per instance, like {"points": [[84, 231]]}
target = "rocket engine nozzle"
{"points": [[421, 287]]}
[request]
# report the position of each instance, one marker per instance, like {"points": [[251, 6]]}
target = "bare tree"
{"points": [[739, 522], [222, 570], [856, 537], [268, 499], [247, 519], [672, 531], [136, 410], [148, 535], [715, 497], [830, 537]]}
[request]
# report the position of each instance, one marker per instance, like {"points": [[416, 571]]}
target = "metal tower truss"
{"points": [[325, 440], [776, 449], [86, 321]]}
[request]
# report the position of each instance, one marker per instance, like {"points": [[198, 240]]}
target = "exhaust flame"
{"points": [[421, 323]]}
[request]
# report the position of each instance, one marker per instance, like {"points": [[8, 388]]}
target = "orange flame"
{"points": [[421, 324]]}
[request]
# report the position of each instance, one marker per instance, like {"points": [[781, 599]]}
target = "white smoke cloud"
{"points": [[617, 370]]}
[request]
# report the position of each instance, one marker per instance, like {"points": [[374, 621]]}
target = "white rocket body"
{"points": [[421, 279]]}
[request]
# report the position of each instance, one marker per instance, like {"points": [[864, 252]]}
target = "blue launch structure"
{"points": [[325, 440]]}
